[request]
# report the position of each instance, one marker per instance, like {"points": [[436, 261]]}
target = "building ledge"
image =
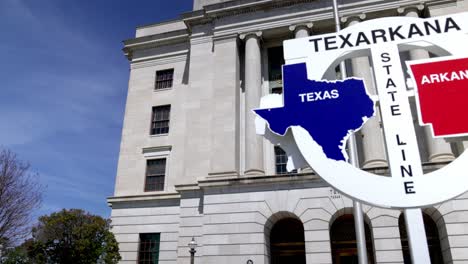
{"points": [[257, 180], [145, 197]]}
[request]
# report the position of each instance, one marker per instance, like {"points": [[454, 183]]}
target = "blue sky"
{"points": [[63, 89]]}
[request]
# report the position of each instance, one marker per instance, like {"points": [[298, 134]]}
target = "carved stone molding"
{"points": [[352, 18], [308, 26], [406, 9], [257, 34]]}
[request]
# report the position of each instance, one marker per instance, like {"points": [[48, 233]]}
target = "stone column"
{"points": [[253, 83], [301, 30], [373, 149], [437, 148]]}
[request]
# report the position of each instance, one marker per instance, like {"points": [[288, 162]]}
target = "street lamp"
{"points": [[192, 245]]}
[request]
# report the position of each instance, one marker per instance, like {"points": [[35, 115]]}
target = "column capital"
{"points": [[295, 27], [403, 10], [257, 34], [352, 18]]}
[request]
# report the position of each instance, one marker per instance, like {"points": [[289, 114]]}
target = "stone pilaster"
{"points": [[224, 159], [438, 149], [373, 149], [253, 83]]}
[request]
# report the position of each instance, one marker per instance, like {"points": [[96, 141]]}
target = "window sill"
{"points": [[154, 192], [159, 135], [162, 89]]}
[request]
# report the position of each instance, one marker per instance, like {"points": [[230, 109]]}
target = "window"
{"points": [[281, 159], [343, 240], [148, 252], [155, 173], [433, 240], [164, 79], [287, 241], [160, 120], [275, 62]]}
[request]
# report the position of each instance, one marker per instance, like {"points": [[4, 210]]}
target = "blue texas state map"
{"points": [[327, 110]]}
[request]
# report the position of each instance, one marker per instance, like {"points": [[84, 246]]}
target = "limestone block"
{"points": [[169, 236], [142, 211], [215, 239], [168, 246], [245, 217], [387, 244], [456, 217], [127, 238], [232, 228], [139, 220], [319, 235], [189, 212], [145, 229], [124, 246], [224, 197], [458, 241], [231, 259], [375, 212], [129, 255], [316, 224], [391, 256], [317, 213], [190, 230], [261, 207], [457, 229], [191, 221], [189, 202], [168, 254], [459, 254], [318, 247], [322, 258], [384, 221], [386, 232]]}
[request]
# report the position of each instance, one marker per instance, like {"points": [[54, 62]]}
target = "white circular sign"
{"points": [[424, 189]]}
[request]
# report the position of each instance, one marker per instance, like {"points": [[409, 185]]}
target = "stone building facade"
{"points": [[191, 164]]}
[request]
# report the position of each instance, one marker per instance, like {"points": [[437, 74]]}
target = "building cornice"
{"points": [[318, 11], [152, 41]]}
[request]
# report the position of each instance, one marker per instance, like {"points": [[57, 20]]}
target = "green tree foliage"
{"points": [[73, 236], [16, 256]]}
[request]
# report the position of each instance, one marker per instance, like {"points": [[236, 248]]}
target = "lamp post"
{"points": [[353, 155], [192, 245]]}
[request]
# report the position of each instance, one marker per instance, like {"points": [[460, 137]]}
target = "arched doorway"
{"points": [[287, 242], [343, 241], [433, 241]]}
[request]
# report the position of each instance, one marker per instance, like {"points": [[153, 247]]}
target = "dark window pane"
{"points": [[281, 159], [160, 120], [148, 252], [164, 79], [155, 173], [275, 62]]}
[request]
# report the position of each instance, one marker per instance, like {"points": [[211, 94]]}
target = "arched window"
{"points": [[343, 241], [287, 242], [433, 241]]}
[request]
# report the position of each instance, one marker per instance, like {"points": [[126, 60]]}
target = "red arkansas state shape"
{"points": [[442, 91]]}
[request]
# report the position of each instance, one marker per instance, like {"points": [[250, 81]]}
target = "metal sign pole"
{"points": [[401, 141], [353, 158]]}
